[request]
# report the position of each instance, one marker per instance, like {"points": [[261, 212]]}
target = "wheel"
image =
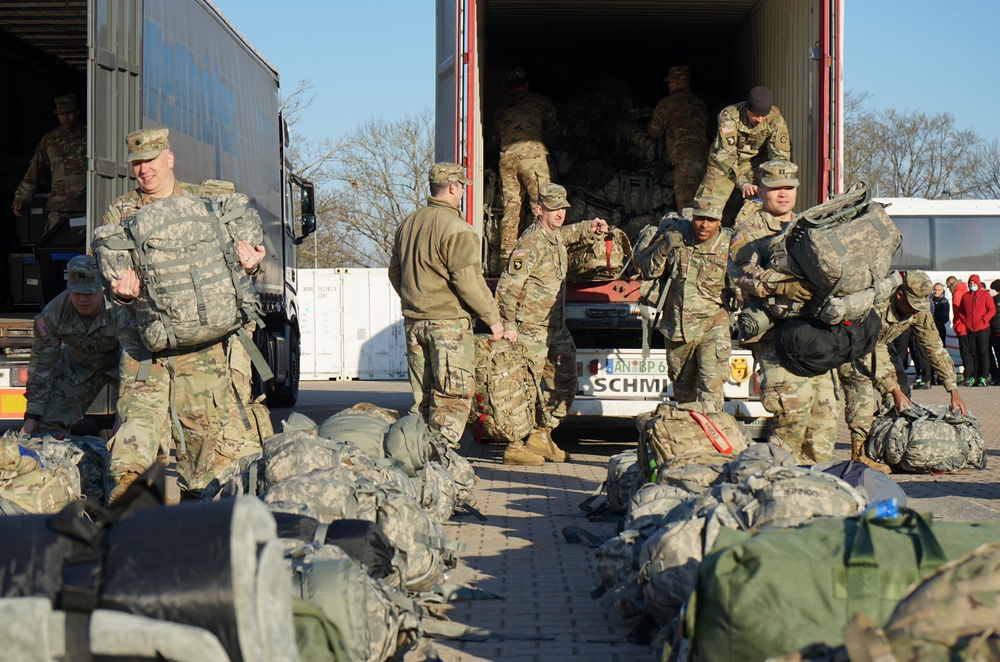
{"points": [[286, 394]]}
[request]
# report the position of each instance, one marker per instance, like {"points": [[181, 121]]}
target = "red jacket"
{"points": [[957, 321], [977, 307]]}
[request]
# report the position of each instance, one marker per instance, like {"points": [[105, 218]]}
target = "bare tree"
{"points": [[988, 170]]}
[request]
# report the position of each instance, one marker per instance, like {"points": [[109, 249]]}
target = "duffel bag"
{"points": [[926, 438], [808, 347], [782, 589]]}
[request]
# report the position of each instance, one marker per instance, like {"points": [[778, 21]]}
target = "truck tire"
{"points": [[286, 394]]}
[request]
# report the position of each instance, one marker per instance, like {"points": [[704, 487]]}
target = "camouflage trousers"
{"points": [[520, 176], [805, 416], [716, 183], [699, 368], [859, 404], [688, 172], [184, 396], [238, 440], [441, 356], [552, 362], [69, 401]]}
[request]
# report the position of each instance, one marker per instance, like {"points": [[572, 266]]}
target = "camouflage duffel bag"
{"points": [[599, 257], [503, 407], [926, 438], [672, 429]]}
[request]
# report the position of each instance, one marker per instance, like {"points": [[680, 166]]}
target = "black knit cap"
{"points": [[995, 285], [760, 100]]}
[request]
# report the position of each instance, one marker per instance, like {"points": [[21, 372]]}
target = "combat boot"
{"points": [[516, 453], [126, 479], [858, 455], [540, 442]]}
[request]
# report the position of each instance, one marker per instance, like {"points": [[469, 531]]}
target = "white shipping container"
{"points": [[352, 326]]}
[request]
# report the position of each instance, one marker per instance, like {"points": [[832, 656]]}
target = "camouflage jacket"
{"points": [[521, 124], [84, 348], [750, 256], [436, 269], [926, 333], [532, 289], [737, 144], [127, 205], [698, 278], [59, 164], [683, 116]]}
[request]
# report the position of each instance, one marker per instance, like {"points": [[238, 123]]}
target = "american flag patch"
{"points": [[42, 327], [726, 128], [518, 253]]}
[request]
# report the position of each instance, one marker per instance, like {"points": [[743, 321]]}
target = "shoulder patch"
{"points": [[737, 238], [726, 128], [518, 252], [42, 326]]}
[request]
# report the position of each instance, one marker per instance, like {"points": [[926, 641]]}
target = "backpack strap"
{"points": [[181, 445], [228, 247], [258, 360], [152, 286]]}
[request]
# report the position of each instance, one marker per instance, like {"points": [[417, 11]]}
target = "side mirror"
{"points": [[307, 206]]}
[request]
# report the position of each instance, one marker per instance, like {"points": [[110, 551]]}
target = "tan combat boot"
{"points": [[858, 455], [126, 479], [516, 453], [540, 442]]}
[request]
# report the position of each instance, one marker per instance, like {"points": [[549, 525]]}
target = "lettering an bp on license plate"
{"points": [[628, 378]]}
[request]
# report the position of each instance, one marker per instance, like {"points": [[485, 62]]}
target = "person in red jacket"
{"points": [[977, 310], [959, 289]]}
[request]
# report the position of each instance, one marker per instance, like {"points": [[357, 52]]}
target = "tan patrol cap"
{"points": [[680, 72], [517, 73], [66, 103], [146, 144], [446, 173], [779, 173], [706, 207], [552, 196], [82, 276], [917, 287]]}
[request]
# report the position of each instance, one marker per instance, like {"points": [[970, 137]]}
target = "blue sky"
{"points": [[376, 57]]}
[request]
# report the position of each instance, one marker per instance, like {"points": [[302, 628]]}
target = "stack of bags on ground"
{"points": [[739, 554]]}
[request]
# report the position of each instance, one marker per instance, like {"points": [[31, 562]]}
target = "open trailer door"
{"points": [[831, 95]]}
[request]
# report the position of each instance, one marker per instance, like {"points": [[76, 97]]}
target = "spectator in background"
{"points": [[995, 334], [978, 310], [958, 289], [941, 311]]}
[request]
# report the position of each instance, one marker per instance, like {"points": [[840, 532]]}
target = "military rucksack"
{"points": [[364, 431], [291, 454], [673, 430], [925, 438], [183, 248], [40, 477], [503, 406], [624, 478], [599, 257]]}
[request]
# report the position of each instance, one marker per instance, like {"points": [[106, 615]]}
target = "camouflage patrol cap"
{"points": [[517, 73], [446, 173], [66, 103], [917, 287], [774, 174], [146, 144], [82, 276], [706, 207], [552, 196], [680, 72]]}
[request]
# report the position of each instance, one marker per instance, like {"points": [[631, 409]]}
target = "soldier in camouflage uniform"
{"points": [[694, 321], [185, 393], [745, 129], [436, 271], [531, 295], [805, 420], [75, 352], [907, 309], [683, 117], [520, 126]]}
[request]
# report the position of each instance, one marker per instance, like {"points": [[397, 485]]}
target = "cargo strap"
{"points": [[644, 184], [649, 323], [181, 446], [713, 433]]}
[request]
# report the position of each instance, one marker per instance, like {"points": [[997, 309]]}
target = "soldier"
{"points": [[60, 159], [695, 324], [180, 395], [683, 117], [520, 126], [803, 407], [907, 309], [531, 294], [744, 130], [75, 352], [436, 270]]}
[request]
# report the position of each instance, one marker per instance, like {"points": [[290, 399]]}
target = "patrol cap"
{"points": [[82, 276], [446, 173], [760, 100], [516, 75], [706, 207], [680, 72], [918, 287], [146, 144], [774, 174], [66, 103], [552, 196]]}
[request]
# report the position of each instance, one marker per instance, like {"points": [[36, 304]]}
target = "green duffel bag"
{"points": [[782, 589]]}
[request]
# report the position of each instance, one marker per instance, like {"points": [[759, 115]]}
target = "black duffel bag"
{"points": [[808, 347]]}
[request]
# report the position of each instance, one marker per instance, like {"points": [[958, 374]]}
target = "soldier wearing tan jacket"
{"points": [[436, 270]]}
